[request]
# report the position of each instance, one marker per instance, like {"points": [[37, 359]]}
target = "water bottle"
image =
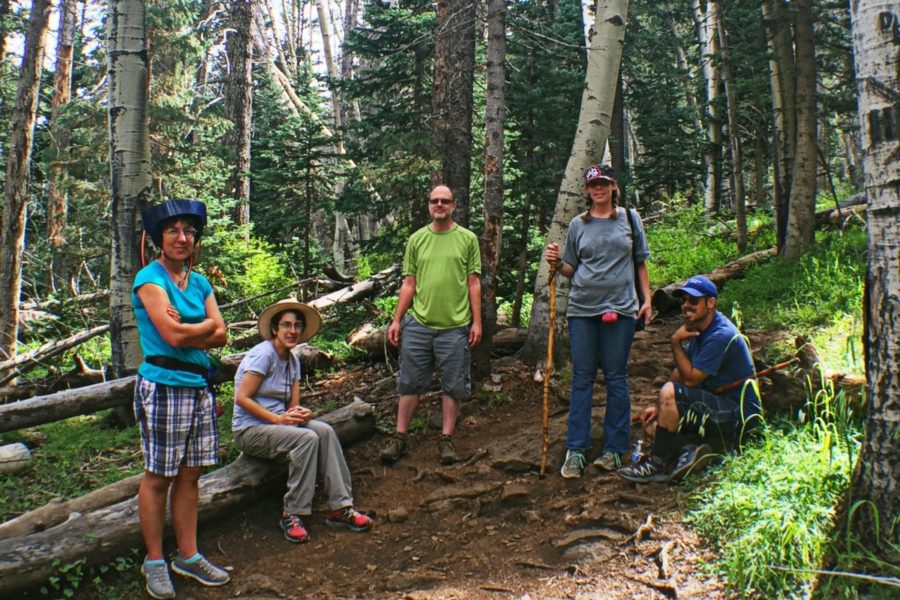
{"points": [[637, 453]]}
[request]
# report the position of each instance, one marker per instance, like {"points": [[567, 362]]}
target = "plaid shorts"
{"points": [[711, 417], [178, 426]]}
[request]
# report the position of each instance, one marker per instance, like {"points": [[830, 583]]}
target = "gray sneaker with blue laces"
{"points": [[574, 465], [202, 570], [159, 584]]}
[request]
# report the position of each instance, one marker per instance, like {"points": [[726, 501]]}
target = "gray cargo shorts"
{"points": [[421, 347]]}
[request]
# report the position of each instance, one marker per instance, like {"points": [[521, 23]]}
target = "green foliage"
{"points": [[773, 505], [823, 287], [70, 458], [685, 241], [250, 266]]}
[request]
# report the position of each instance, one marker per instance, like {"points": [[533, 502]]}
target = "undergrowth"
{"points": [[771, 508]]}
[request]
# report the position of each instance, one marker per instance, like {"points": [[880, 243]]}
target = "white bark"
{"points": [[875, 27], [129, 150], [591, 134]]}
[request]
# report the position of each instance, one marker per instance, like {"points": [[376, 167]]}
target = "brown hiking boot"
{"points": [[394, 448], [447, 450]]}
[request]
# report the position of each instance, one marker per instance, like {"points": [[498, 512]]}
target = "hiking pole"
{"points": [[767, 371], [545, 414]]}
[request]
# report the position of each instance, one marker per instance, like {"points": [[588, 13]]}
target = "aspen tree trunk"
{"points": [[594, 116], [709, 47], [801, 224], [57, 196], [737, 153], [877, 476], [491, 237], [684, 72], [239, 105], [21, 136], [782, 81], [129, 151], [454, 74]]}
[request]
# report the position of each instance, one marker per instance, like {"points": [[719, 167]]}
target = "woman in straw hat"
{"points": [[270, 423]]}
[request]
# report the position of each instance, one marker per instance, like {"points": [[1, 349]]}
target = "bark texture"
{"points": [[454, 74], [21, 136], [594, 117], [491, 236], [239, 105], [875, 483], [129, 151]]}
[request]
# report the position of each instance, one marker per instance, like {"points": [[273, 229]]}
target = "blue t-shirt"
{"points": [[191, 305], [722, 353], [601, 253], [274, 390]]}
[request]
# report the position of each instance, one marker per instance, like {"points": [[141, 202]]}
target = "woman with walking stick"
{"points": [[604, 252]]}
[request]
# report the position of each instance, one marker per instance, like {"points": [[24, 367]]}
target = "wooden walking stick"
{"points": [[545, 414]]}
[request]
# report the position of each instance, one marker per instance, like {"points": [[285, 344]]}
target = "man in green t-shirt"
{"points": [[442, 291]]}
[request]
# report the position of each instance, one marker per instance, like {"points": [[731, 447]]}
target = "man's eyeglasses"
{"points": [[296, 325], [189, 233], [441, 201], [691, 300]]}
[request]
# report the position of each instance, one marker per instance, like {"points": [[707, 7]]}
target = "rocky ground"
{"points": [[487, 527]]}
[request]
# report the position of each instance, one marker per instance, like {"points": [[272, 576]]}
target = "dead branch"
{"points": [[22, 363]]}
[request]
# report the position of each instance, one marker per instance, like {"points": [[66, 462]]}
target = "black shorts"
{"points": [[711, 418]]}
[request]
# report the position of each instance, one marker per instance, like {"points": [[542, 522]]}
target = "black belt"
{"points": [[173, 364]]}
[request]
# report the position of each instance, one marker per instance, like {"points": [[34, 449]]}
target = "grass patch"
{"points": [[773, 506]]}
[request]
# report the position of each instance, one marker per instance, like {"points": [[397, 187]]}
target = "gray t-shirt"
{"points": [[274, 390], [600, 251]]}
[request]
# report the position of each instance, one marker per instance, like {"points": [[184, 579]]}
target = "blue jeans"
{"points": [[605, 345]]}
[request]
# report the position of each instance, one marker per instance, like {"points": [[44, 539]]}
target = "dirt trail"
{"points": [[487, 527]]}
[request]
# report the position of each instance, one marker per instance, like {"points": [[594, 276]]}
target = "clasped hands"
{"points": [[296, 415]]}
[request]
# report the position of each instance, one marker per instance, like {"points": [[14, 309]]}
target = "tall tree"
{"points": [[800, 232], [239, 105], [57, 195], [706, 19], [12, 228], [604, 58], [782, 76], [876, 30], [734, 135], [451, 100], [491, 236], [130, 178]]}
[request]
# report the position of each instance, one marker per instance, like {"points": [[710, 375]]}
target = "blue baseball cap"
{"points": [[698, 286]]}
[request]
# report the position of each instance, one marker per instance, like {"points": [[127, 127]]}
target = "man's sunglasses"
{"points": [[691, 299], [442, 201]]}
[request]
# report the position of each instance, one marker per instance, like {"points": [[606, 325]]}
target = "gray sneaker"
{"points": [[202, 570], [608, 461], [574, 465], [447, 451], [159, 584], [394, 448]]}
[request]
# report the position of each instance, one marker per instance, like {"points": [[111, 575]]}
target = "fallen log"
{"points": [[665, 303], [120, 392], [97, 536], [79, 299], [22, 363], [371, 341]]}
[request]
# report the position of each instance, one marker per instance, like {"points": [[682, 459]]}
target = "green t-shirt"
{"points": [[441, 264]]}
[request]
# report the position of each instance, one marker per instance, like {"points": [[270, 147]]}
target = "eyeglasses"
{"points": [[296, 325], [189, 233], [600, 183], [691, 300], [441, 201]]}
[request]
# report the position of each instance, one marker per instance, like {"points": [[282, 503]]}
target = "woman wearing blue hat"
{"points": [[602, 246], [178, 320]]}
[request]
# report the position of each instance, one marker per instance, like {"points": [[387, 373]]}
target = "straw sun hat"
{"points": [[310, 316]]}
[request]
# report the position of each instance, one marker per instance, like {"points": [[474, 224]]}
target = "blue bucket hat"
{"points": [[698, 286], [153, 217]]}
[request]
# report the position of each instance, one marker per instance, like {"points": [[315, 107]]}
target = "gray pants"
{"points": [[311, 449]]}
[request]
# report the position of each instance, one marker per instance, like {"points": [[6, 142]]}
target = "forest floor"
{"points": [[487, 527]]}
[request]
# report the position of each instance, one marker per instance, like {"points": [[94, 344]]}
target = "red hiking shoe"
{"points": [[350, 518], [293, 528]]}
